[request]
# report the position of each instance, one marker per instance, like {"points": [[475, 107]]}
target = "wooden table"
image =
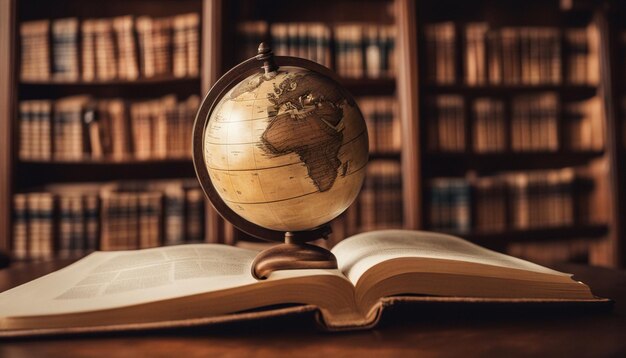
{"points": [[404, 331]]}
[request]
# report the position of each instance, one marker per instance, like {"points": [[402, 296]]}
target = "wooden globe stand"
{"points": [[294, 253]]}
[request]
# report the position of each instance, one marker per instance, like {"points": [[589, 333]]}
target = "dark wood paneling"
{"points": [[7, 108]]}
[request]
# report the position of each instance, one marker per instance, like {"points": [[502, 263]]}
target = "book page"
{"points": [[112, 279], [357, 254]]}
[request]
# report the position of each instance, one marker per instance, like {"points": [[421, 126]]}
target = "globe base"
{"points": [[295, 254]]}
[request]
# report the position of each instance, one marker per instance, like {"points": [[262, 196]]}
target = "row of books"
{"points": [[512, 55], [383, 123], [380, 203], [360, 50], [119, 48], [584, 124], [71, 220], [365, 51], [299, 39], [519, 201], [81, 127], [534, 124]]}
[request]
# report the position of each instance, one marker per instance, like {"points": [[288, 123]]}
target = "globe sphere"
{"points": [[286, 150]]}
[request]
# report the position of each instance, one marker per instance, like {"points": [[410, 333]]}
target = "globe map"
{"points": [[286, 150]]}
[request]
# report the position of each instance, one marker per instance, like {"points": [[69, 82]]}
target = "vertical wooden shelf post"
{"points": [[407, 84], [7, 96]]}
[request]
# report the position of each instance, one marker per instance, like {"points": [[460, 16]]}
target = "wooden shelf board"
{"points": [[575, 91], [34, 174], [136, 82], [370, 86], [385, 155], [139, 89], [106, 161], [438, 164], [501, 239]]}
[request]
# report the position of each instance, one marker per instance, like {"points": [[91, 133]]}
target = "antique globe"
{"points": [[280, 147]]}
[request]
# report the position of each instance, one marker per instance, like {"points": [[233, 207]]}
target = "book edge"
{"points": [[322, 322]]}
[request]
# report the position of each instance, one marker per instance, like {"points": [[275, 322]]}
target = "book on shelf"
{"points": [[123, 28], [360, 50], [20, 227], [67, 128], [82, 127], [489, 194], [489, 128], [534, 124], [365, 50], [440, 42], [476, 53], [383, 123], [33, 226], [510, 201], [526, 55], [88, 50], [35, 50], [380, 203], [69, 220], [445, 118], [583, 61], [104, 45], [584, 125], [449, 207], [35, 129], [145, 289], [167, 46], [65, 49], [306, 40], [251, 33]]}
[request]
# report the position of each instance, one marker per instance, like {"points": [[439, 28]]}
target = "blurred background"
{"points": [[498, 121]]}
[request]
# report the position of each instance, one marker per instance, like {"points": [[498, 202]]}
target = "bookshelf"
{"points": [[601, 199], [85, 170], [516, 31], [265, 19]]}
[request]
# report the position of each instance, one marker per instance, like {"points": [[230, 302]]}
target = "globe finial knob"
{"points": [[266, 55]]}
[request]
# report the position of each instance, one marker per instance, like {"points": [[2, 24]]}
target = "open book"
{"points": [[205, 283]]}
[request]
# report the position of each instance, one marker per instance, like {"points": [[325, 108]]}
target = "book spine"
{"points": [[35, 50], [65, 227], [77, 219], [65, 49], [194, 223], [105, 54], [92, 222], [123, 28], [20, 227]]}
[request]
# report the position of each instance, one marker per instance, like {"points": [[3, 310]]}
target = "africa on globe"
{"points": [[287, 149]]}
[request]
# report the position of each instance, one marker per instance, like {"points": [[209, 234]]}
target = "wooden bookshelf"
{"points": [[330, 14], [410, 86], [503, 90], [499, 240], [461, 164], [24, 175]]}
